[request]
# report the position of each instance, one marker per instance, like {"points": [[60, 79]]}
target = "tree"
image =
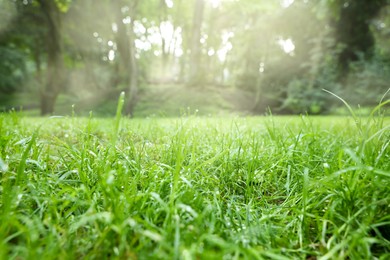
{"points": [[195, 73], [352, 29], [55, 65], [21, 41], [113, 45], [125, 37]]}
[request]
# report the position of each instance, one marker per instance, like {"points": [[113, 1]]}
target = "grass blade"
{"points": [[118, 116]]}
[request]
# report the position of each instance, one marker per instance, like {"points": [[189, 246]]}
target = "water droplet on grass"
{"points": [[110, 179], [3, 166], [326, 165]]}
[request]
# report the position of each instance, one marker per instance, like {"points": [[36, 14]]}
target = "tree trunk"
{"points": [[127, 69], [54, 82], [133, 80], [195, 60], [164, 44], [38, 63]]}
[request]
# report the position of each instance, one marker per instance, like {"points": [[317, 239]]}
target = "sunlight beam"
{"points": [[286, 3], [287, 45]]}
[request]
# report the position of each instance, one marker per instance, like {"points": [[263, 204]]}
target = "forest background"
{"points": [[208, 56]]}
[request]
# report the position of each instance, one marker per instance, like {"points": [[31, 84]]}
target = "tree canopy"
{"points": [[282, 52]]}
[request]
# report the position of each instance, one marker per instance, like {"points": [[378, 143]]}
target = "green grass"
{"points": [[194, 188]]}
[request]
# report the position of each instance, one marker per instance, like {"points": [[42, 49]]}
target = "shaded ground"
{"points": [[154, 100], [175, 100]]}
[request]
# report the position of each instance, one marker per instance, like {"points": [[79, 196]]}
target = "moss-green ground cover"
{"points": [[194, 188]]}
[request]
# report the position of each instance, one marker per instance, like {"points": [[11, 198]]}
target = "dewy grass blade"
{"points": [[118, 116], [22, 165], [3, 166], [384, 95], [204, 188], [378, 107], [355, 118]]}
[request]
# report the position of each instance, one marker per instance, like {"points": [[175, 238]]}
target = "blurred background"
{"points": [[210, 57]]}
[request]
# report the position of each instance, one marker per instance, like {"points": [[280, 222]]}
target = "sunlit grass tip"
{"points": [[118, 116]]}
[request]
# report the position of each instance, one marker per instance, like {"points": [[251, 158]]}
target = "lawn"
{"points": [[194, 187]]}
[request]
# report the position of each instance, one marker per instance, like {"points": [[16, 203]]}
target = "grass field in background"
{"points": [[194, 188]]}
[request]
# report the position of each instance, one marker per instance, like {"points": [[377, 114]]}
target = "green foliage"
{"points": [[368, 79], [301, 98], [63, 5], [12, 69]]}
